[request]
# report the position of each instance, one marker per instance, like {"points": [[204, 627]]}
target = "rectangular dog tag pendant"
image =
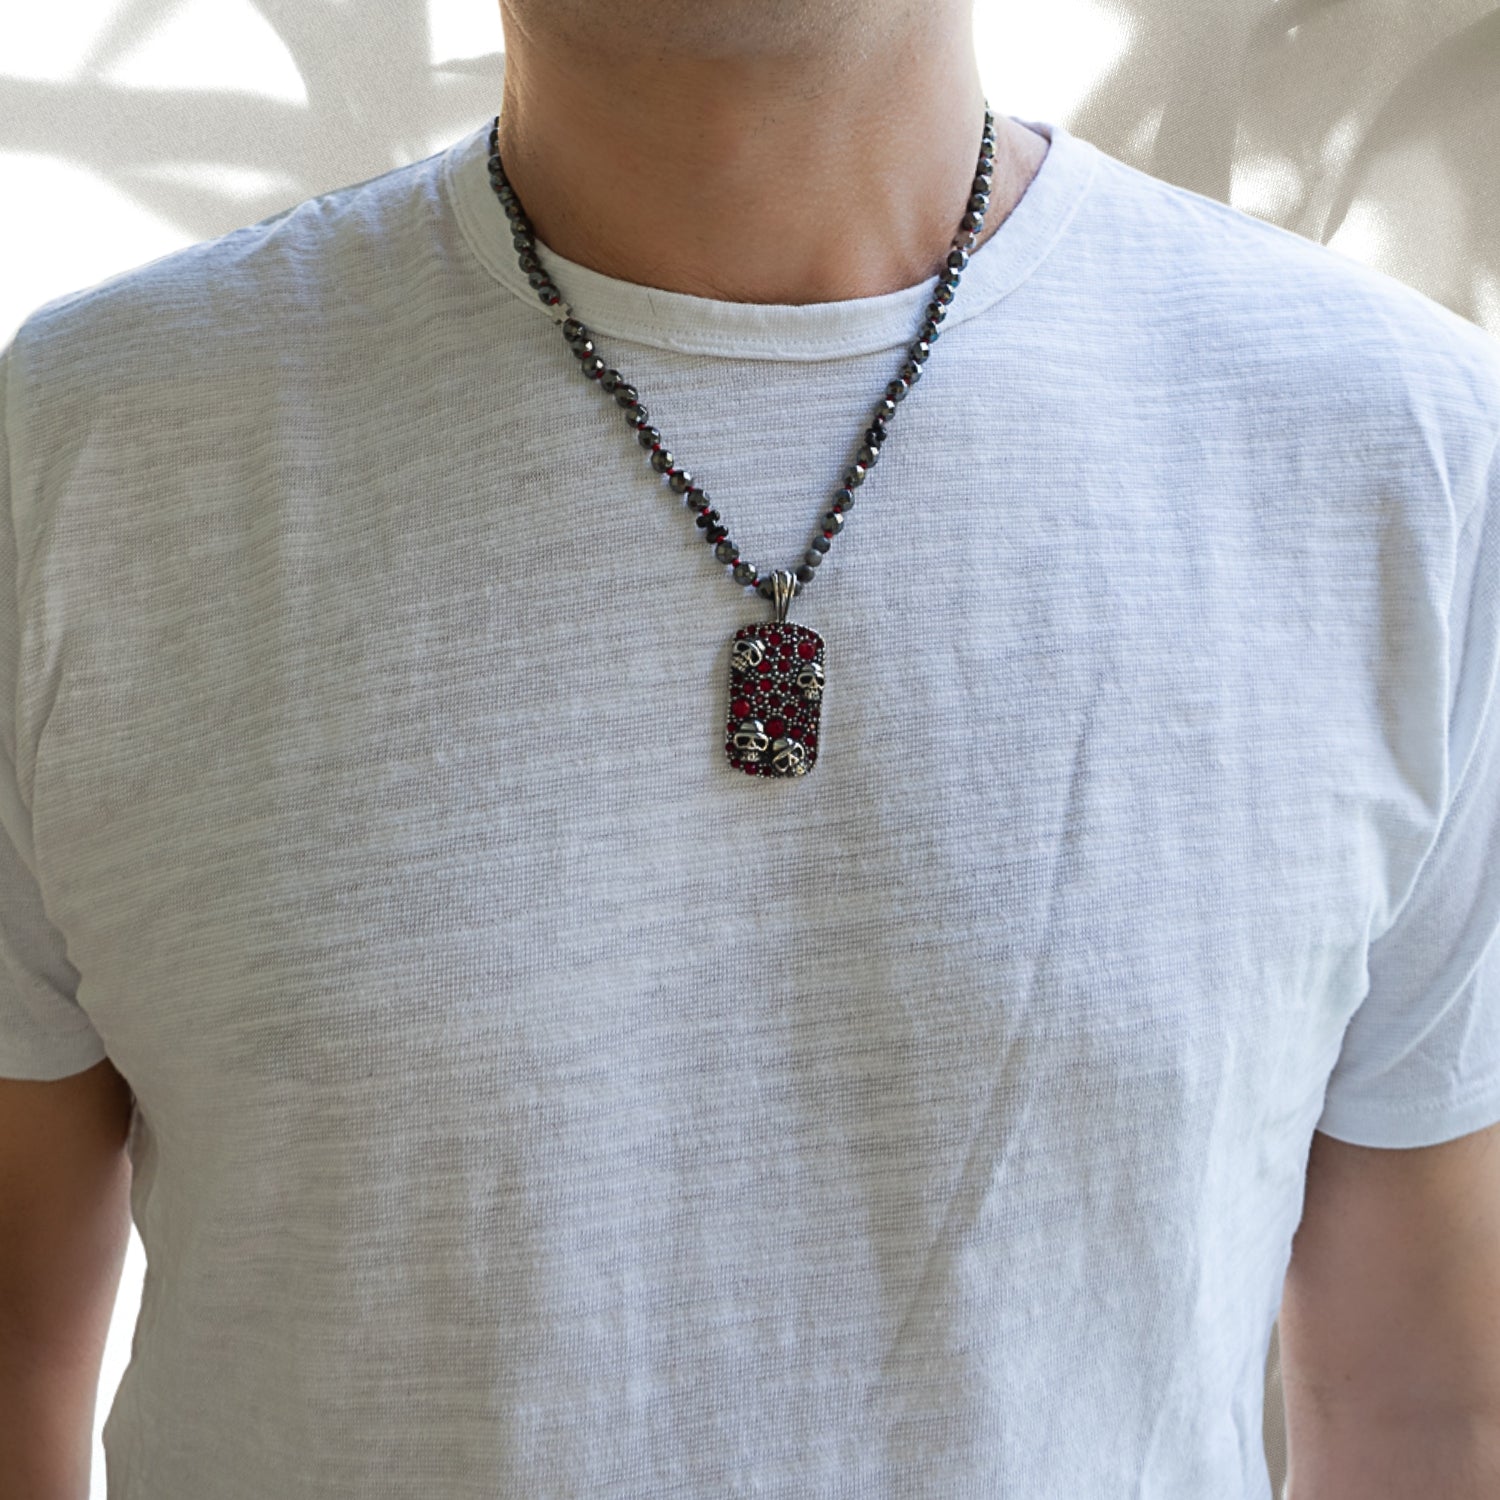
{"points": [[775, 695]]}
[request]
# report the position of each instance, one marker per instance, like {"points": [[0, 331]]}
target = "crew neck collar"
{"points": [[754, 330]]}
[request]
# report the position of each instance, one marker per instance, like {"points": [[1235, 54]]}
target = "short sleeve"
{"points": [[44, 1034], [1420, 1061]]}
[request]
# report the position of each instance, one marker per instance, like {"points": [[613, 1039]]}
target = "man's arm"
{"points": [[64, 1230], [1390, 1324]]}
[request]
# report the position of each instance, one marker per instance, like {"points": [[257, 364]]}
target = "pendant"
{"points": [[775, 694]]}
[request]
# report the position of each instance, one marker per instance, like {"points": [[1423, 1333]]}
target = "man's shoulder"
{"points": [[161, 314], [1280, 306]]}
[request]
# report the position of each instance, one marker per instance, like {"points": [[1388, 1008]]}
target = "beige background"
{"points": [[129, 128]]}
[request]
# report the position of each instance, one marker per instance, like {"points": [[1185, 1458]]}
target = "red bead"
{"points": [[775, 728], [740, 708], [807, 650]]}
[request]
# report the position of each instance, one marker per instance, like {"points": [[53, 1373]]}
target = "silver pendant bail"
{"points": [[783, 586]]}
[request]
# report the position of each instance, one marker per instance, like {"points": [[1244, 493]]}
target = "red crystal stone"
{"points": [[807, 650], [775, 728], [740, 708], [765, 665]]}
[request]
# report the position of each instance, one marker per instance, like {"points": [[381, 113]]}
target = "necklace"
{"points": [[776, 668]]}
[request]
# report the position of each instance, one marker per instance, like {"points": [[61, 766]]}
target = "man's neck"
{"points": [[717, 180]]}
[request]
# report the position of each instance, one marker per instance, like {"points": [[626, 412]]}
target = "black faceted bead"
{"points": [[979, 202], [695, 496], [726, 551], [813, 559], [716, 533], [681, 481], [875, 436], [821, 544], [972, 221], [854, 475], [649, 437], [582, 347], [958, 258], [844, 498], [911, 372], [833, 521], [521, 241], [869, 455], [745, 572], [896, 390], [936, 312], [928, 333], [661, 460], [886, 409], [943, 294], [626, 395], [637, 416], [611, 380], [984, 183], [707, 518], [529, 263], [538, 278], [551, 296], [593, 368], [573, 330], [805, 573]]}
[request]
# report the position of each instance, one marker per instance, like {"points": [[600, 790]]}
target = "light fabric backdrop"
{"points": [[129, 128]]}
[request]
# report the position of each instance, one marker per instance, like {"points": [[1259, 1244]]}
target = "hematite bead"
{"points": [[936, 312], [593, 367], [869, 455], [661, 460], [804, 573], [573, 330], [708, 518], [979, 202], [957, 259], [649, 437], [611, 380], [973, 221], [821, 544], [715, 533], [681, 481], [551, 296], [920, 351], [984, 183], [813, 558], [854, 475], [636, 414], [875, 435], [582, 347], [745, 572], [886, 409], [897, 389], [844, 499], [943, 294], [726, 551], [626, 395], [521, 241], [928, 333], [538, 278], [833, 521], [911, 372], [530, 263]]}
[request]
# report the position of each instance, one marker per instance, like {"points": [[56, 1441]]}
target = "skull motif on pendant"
{"points": [[776, 687]]}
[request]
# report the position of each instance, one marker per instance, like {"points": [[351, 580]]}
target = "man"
{"points": [[577, 1042]]}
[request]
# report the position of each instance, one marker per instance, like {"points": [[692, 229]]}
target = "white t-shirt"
{"points": [[533, 1105]]}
